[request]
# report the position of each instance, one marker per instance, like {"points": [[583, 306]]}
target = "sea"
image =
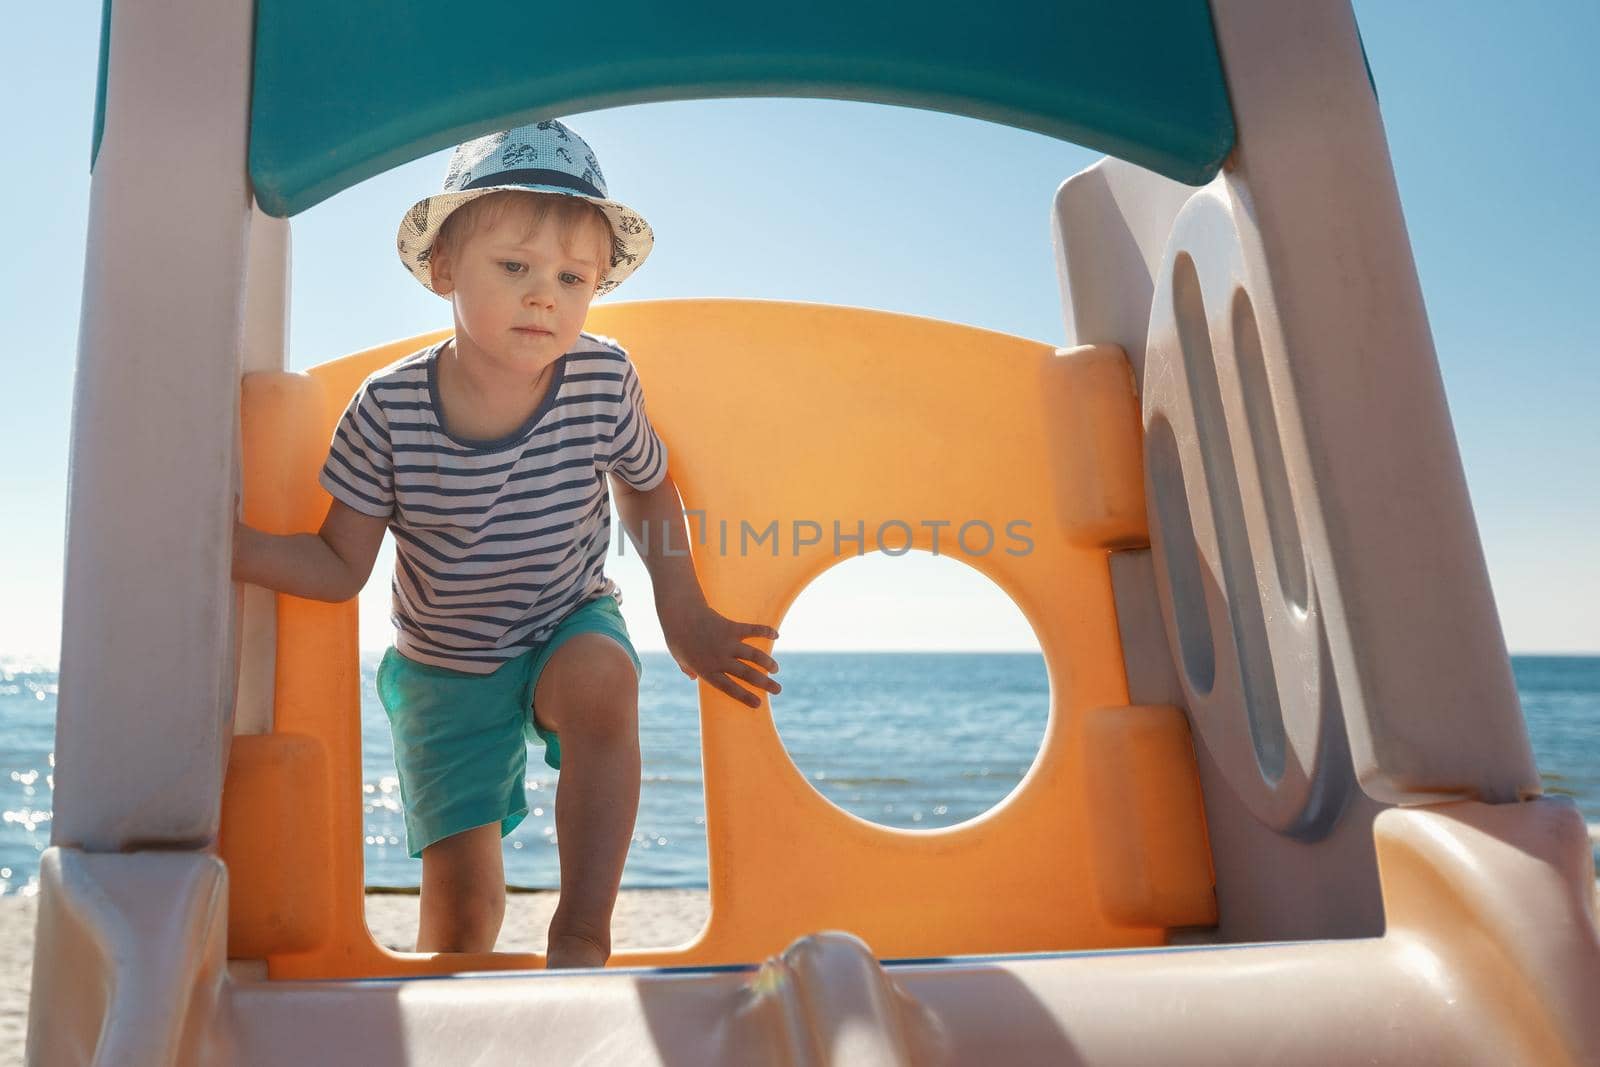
{"points": [[912, 740]]}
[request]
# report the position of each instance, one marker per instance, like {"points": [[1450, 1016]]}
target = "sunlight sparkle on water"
{"points": [[27, 818]]}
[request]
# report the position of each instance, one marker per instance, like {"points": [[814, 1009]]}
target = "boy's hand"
{"points": [[709, 645]]}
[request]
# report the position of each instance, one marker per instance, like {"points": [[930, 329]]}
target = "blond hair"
{"points": [[574, 216]]}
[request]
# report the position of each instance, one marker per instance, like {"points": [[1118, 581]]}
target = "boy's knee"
{"points": [[589, 688], [608, 712]]}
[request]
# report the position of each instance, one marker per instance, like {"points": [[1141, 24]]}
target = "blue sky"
{"points": [[1492, 116]]}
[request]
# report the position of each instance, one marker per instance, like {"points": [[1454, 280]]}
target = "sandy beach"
{"points": [[644, 918]]}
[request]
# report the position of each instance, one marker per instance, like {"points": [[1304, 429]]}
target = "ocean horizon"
{"points": [[914, 740]]}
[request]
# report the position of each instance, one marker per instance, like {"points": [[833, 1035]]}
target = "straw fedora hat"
{"points": [[542, 157]]}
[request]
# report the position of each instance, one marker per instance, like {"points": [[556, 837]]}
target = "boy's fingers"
{"points": [[742, 695], [754, 677], [756, 629], [756, 656]]}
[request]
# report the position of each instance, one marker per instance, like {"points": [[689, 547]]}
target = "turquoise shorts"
{"points": [[461, 740]]}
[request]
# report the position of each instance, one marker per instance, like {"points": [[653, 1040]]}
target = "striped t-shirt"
{"points": [[496, 541]]}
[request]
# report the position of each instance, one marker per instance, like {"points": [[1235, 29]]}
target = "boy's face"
{"points": [[520, 299]]}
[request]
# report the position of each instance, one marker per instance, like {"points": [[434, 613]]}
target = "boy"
{"points": [[486, 456]]}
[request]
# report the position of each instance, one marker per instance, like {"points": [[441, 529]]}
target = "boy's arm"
{"points": [[705, 643], [331, 564]]}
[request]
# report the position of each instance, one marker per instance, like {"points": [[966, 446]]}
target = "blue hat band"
{"points": [[536, 176]]}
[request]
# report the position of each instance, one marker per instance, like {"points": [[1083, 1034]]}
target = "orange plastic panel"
{"points": [[793, 413], [1155, 863], [1097, 453], [276, 823]]}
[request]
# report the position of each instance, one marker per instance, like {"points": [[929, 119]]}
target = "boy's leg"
{"points": [[463, 892], [588, 693]]}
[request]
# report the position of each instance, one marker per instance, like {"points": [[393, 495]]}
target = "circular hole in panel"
{"points": [[914, 690]]}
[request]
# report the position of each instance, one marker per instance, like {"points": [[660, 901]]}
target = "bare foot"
{"points": [[571, 950]]}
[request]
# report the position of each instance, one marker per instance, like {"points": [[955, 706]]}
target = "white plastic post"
{"points": [[266, 342], [147, 682], [1415, 641]]}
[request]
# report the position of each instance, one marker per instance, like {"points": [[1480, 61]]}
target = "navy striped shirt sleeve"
{"points": [[636, 454], [359, 471]]}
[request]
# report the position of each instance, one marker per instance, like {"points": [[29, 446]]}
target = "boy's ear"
{"points": [[439, 267]]}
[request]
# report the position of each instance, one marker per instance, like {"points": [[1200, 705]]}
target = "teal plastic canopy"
{"points": [[346, 90]]}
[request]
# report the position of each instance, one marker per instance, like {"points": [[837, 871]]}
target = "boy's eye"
{"points": [[515, 268]]}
